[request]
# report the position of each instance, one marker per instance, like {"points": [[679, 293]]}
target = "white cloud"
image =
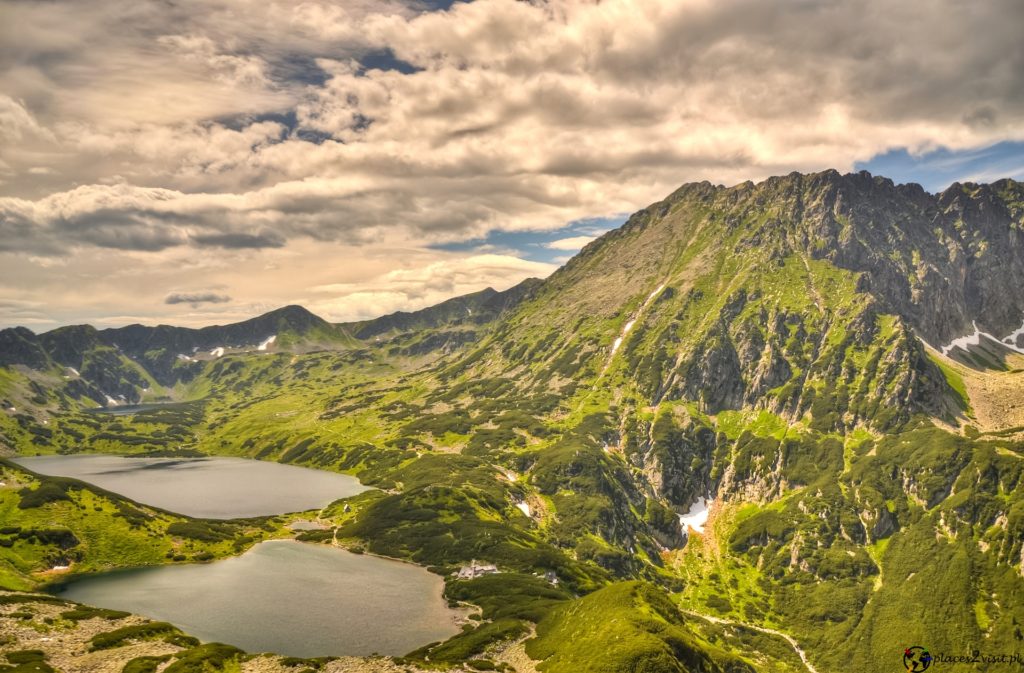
{"points": [[337, 281], [412, 288], [571, 243], [17, 123], [170, 128]]}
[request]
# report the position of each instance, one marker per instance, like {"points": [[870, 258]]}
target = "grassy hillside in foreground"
{"points": [[628, 626]]}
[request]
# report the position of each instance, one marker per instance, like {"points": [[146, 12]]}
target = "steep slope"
{"points": [[767, 344], [728, 279], [713, 301]]}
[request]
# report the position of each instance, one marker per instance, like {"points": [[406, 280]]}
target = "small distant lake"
{"points": [[286, 597], [209, 488]]}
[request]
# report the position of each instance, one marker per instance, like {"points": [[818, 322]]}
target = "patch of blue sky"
{"points": [[385, 59], [938, 169], [436, 5], [553, 247]]}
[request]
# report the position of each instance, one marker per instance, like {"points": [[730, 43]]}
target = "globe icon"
{"points": [[916, 659]]}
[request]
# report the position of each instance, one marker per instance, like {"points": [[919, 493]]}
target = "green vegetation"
{"points": [[508, 595], [18, 598], [129, 634], [648, 633], [759, 344], [956, 382], [86, 612], [26, 661], [473, 642], [145, 664], [208, 658]]}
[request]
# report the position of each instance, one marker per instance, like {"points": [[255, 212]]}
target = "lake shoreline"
{"points": [[373, 603], [230, 487]]}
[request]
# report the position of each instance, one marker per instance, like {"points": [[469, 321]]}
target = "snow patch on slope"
{"points": [[625, 331], [1011, 339], [524, 508], [696, 516], [629, 325], [266, 342], [974, 339]]}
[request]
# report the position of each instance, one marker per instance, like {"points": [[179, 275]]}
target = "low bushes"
{"points": [[85, 612], [127, 634]]}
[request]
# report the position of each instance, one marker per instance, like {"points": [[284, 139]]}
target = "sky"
{"points": [[197, 162]]}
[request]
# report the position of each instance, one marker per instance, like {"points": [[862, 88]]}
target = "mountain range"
{"points": [[834, 362], [126, 364]]}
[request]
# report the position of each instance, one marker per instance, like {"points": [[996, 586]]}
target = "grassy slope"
{"points": [[628, 626]]}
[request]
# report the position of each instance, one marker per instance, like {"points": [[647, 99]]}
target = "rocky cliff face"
{"points": [[799, 291], [810, 298], [940, 261]]}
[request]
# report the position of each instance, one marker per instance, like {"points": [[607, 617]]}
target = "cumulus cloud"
{"points": [[196, 298], [341, 282], [423, 285], [242, 126], [570, 243]]}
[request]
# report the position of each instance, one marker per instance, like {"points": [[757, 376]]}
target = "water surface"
{"points": [[210, 488], [286, 597]]}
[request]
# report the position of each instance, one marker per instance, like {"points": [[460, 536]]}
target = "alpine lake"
{"points": [[280, 596]]}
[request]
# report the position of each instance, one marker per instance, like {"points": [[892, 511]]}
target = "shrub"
{"points": [[718, 603], [122, 636], [144, 664], [48, 491], [15, 599], [27, 661], [473, 641], [25, 656], [205, 658], [201, 530], [86, 612]]}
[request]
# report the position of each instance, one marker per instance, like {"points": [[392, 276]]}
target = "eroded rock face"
{"points": [[675, 459], [941, 261], [885, 524], [19, 346]]}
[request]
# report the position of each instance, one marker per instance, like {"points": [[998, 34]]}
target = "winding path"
{"points": [[785, 636]]}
